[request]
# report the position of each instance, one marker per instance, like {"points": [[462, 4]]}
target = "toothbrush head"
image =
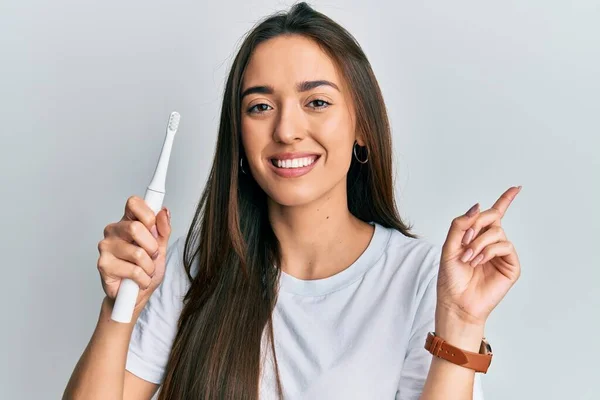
{"points": [[173, 121]]}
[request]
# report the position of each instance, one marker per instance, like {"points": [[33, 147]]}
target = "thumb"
{"points": [[458, 228], [163, 225]]}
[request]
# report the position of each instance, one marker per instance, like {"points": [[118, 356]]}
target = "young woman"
{"points": [[298, 278]]}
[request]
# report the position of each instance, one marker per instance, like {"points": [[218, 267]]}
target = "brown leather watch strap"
{"points": [[478, 362]]}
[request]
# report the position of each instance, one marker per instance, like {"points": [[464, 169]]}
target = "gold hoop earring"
{"points": [[242, 165], [355, 156]]}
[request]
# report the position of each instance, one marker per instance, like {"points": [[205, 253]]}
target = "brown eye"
{"points": [[319, 104], [259, 108]]}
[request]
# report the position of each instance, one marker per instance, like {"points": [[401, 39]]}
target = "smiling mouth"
{"points": [[300, 162]]}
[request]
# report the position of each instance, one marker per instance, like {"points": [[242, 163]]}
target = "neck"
{"points": [[319, 239]]}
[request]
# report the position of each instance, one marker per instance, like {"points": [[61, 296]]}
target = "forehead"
{"points": [[285, 60]]}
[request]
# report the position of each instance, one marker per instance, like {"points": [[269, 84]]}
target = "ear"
{"points": [[360, 139]]}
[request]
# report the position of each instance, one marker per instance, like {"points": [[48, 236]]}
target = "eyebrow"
{"points": [[300, 87]]}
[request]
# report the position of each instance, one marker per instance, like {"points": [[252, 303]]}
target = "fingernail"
{"points": [[519, 187], [477, 260], [169, 215], [154, 232], [472, 210], [468, 236], [155, 255], [467, 255]]}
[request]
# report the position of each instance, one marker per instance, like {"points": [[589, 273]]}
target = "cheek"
{"points": [[255, 136], [336, 134]]}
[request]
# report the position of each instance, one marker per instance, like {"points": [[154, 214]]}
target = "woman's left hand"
{"points": [[478, 265]]}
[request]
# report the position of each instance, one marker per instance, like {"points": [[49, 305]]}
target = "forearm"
{"points": [[446, 380], [100, 372]]}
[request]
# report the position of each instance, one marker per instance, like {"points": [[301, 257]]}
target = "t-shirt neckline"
{"points": [[319, 287]]}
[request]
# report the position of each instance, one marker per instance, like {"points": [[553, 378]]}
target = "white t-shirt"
{"points": [[359, 334]]}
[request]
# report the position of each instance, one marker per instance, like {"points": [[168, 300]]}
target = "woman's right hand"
{"points": [[135, 248]]}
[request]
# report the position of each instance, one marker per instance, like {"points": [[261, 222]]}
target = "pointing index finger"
{"points": [[505, 200]]}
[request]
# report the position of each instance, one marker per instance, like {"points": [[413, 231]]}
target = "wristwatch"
{"points": [[440, 348]]}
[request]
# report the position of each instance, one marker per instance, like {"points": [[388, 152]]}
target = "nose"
{"points": [[289, 127]]}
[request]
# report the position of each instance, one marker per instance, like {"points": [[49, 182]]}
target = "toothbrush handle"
{"points": [[129, 290]]}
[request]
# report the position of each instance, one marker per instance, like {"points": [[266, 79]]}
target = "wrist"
{"points": [[458, 331], [108, 305]]}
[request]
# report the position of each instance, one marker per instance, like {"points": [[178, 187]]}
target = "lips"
{"points": [[297, 162], [293, 165]]}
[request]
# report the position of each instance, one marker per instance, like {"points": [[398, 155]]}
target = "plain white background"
{"points": [[481, 95]]}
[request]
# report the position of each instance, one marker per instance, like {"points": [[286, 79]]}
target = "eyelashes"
{"points": [[258, 108], [318, 104]]}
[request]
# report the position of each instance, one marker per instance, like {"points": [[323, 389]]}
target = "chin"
{"points": [[293, 197]]}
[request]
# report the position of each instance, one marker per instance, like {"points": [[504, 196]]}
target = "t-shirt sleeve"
{"points": [[155, 329], [417, 360]]}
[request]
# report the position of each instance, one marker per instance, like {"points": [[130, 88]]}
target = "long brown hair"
{"points": [[216, 353]]}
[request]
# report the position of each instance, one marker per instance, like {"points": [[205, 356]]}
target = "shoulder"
{"points": [[415, 260], [156, 327]]}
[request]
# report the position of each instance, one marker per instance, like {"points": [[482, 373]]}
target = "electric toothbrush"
{"points": [[155, 193]]}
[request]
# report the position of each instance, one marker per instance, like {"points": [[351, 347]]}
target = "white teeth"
{"points": [[296, 162]]}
